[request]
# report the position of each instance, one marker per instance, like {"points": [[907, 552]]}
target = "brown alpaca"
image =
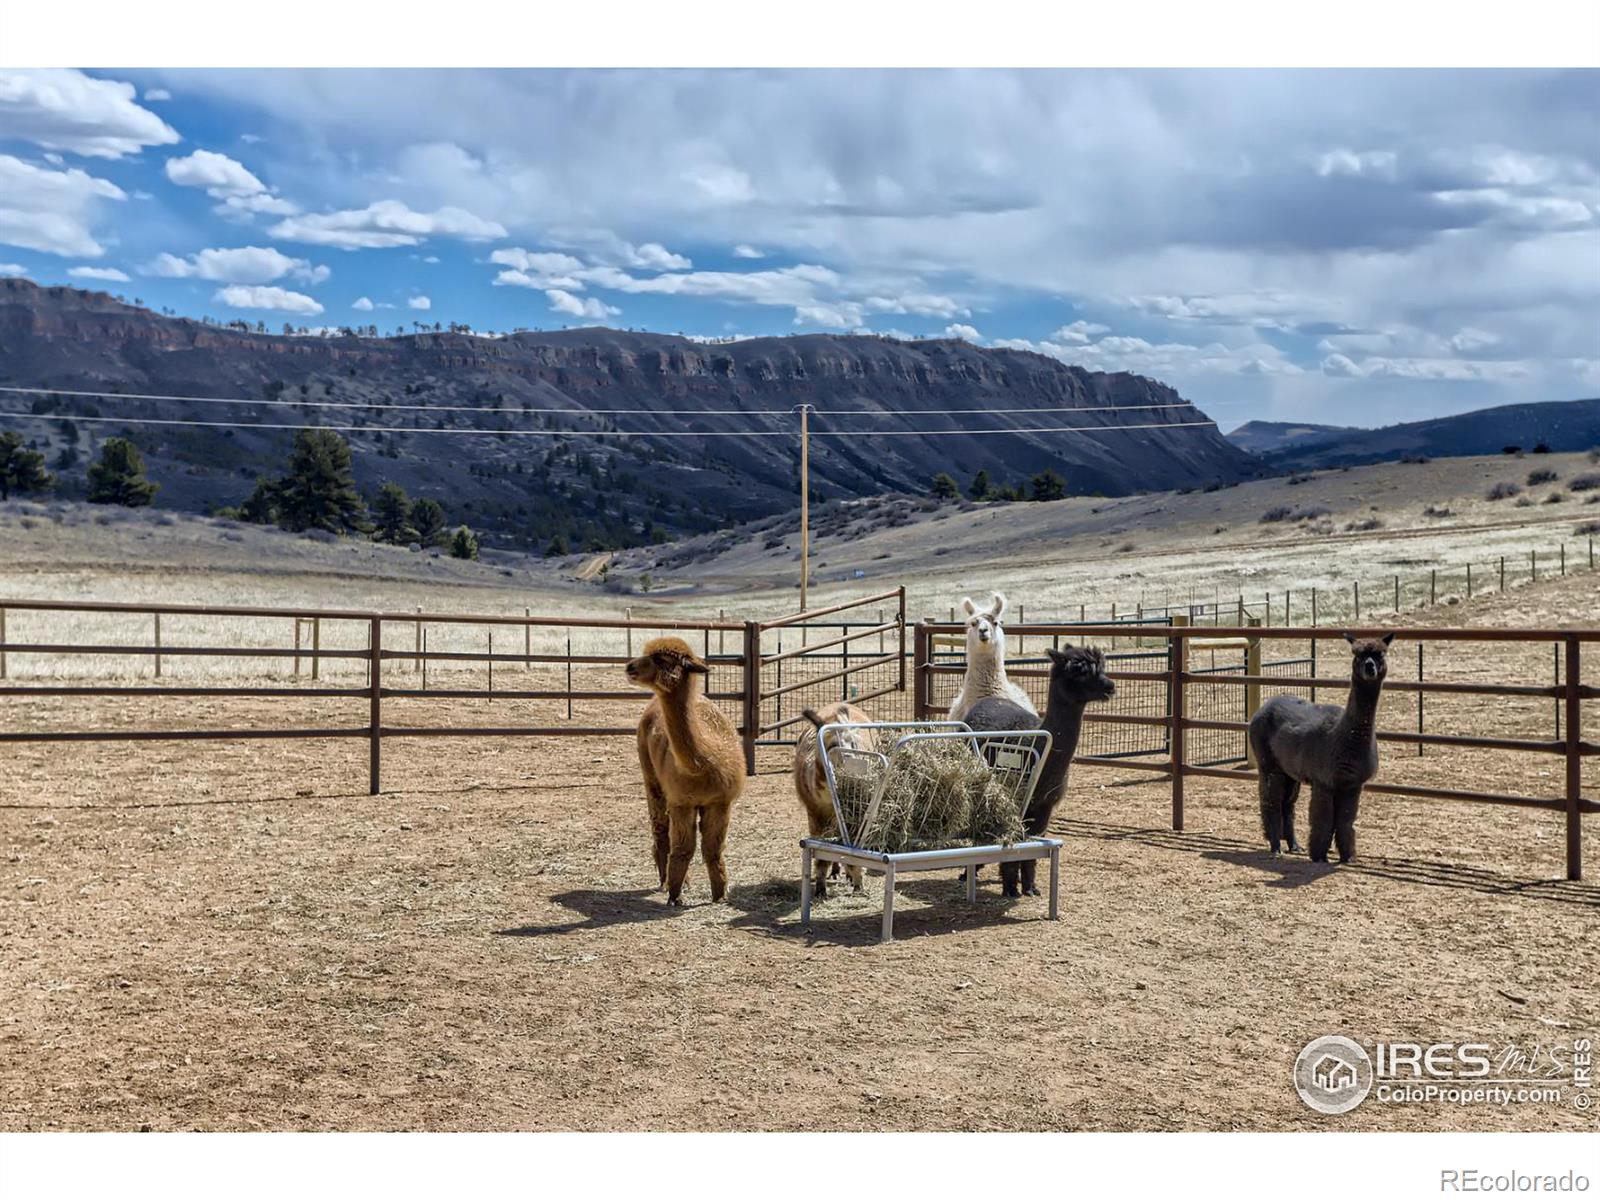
{"points": [[693, 764], [811, 780]]}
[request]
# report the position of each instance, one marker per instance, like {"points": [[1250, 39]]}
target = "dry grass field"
{"points": [[236, 936]]}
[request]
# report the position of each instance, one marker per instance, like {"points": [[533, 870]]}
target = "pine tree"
{"points": [[945, 488], [463, 544], [261, 507], [558, 547], [980, 487], [427, 518], [1047, 485], [319, 492], [391, 513], [118, 478], [21, 470]]}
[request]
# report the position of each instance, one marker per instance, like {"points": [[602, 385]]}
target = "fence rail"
{"points": [[1180, 680]]}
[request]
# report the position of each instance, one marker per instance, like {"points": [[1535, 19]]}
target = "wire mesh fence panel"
{"points": [[1204, 701], [855, 652], [1141, 697]]}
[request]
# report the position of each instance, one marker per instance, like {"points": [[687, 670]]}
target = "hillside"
{"points": [[590, 489], [1264, 437], [1559, 424]]}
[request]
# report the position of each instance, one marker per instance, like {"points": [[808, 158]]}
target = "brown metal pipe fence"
{"points": [[1571, 692]]}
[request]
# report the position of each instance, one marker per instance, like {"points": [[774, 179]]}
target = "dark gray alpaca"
{"points": [[1333, 749], [1077, 679]]}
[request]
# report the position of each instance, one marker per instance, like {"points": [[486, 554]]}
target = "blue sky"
{"points": [[1350, 247]]}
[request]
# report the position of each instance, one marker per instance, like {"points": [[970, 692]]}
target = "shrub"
{"points": [[1512, 450], [1588, 529], [1541, 475], [1437, 510], [1542, 448], [1585, 483], [1047, 485], [1555, 498], [945, 488], [1503, 490], [1414, 459], [21, 469], [1278, 513], [1364, 525], [1297, 480], [1524, 501], [464, 544]]}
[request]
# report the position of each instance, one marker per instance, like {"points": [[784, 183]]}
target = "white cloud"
{"points": [[276, 299], [107, 274], [384, 224], [50, 211], [744, 250], [156, 95], [67, 110], [430, 258], [606, 248], [1379, 163], [568, 283], [229, 181], [1467, 340], [574, 306], [419, 302], [1436, 369], [965, 332], [1078, 333], [546, 263], [11, 270], [363, 305], [241, 264]]}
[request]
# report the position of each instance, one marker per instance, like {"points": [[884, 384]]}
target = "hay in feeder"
{"points": [[939, 795]]}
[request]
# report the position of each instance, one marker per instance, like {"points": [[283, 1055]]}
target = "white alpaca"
{"points": [[986, 661]]}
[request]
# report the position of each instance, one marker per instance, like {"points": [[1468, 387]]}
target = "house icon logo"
{"points": [[1333, 1074]]}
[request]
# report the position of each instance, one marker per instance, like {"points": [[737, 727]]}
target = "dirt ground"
{"points": [[236, 936]]}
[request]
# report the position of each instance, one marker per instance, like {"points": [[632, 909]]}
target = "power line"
{"points": [[519, 410], [644, 433]]}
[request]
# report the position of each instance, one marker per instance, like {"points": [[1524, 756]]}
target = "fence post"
{"points": [[1502, 572], [902, 622], [1574, 761], [569, 676], [375, 703], [491, 658], [1355, 587], [2, 641], [1421, 699], [1397, 593], [1252, 691], [627, 614], [920, 675], [158, 644], [1533, 566], [1469, 581], [1178, 656], [416, 662], [316, 647], [1313, 609], [424, 660], [752, 693], [1563, 558]]}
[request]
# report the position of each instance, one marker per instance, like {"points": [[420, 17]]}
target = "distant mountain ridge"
{"points": [[1264, 437], [686, 473], [1559, 424]]}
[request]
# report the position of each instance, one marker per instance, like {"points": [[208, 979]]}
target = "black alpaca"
{"points": [[1333, 749], [1077, 679]]}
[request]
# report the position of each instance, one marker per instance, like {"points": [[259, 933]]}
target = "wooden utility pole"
{"points": [[805, 502]]}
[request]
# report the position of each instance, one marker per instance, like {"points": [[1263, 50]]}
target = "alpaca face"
{"points": [[1370, 658], [664, 665], [1078, 676], [983, 627]]}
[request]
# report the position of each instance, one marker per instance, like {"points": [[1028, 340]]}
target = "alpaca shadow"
{"points": [[1296, 871], [600, 910], [772, 910]]}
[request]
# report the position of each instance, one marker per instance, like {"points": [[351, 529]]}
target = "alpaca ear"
{"points": [[966, 603], [999, 609], [695, 667], [1351, 638], [1387, 638], [1055, 655]]}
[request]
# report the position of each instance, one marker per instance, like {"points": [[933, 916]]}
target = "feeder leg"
{"points": [[888, 902], [972, 885], [805, 886], [1055, 881]]}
